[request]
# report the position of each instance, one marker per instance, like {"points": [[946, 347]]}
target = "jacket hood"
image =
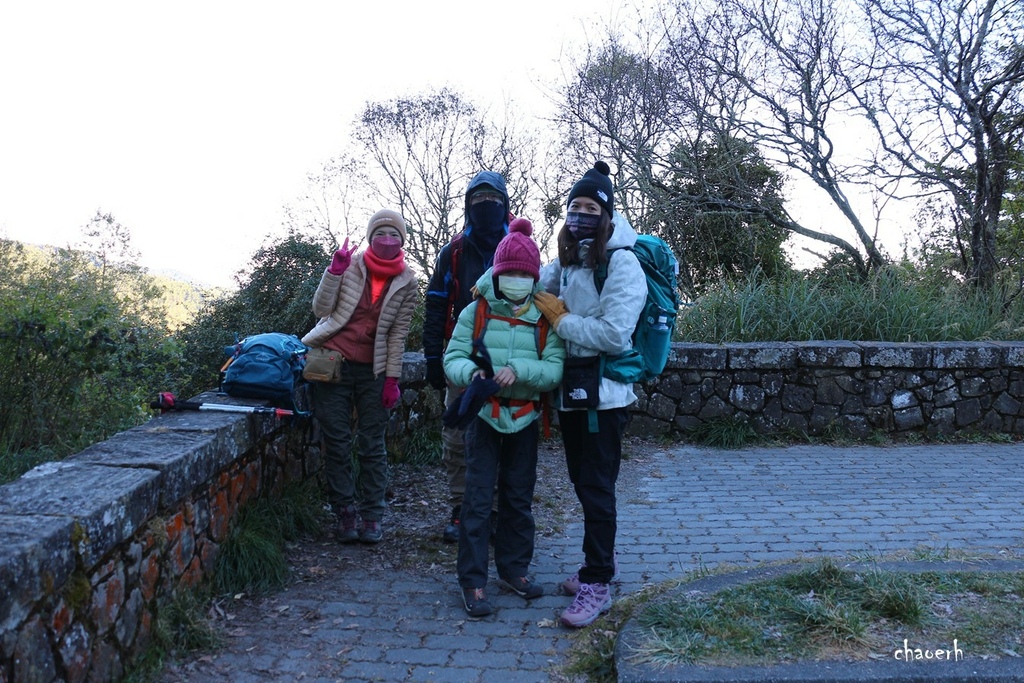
{"points": [[486, 178], [623, 235]]}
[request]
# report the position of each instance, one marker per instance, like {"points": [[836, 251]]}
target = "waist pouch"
{"points": [[323, 365], [627, 367], [581, 382]]}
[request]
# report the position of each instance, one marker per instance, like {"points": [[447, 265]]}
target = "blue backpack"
{"points": [[652, 337], [266, 366]]}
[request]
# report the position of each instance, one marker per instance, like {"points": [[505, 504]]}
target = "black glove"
{"points": [[435, 374]]}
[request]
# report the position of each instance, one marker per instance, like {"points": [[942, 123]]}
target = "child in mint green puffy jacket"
{"points": [[501, 441]]}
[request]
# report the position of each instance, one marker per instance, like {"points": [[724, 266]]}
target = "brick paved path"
{"points": [[679, 508]]}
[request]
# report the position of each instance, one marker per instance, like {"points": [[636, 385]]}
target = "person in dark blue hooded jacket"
{"points": [[459, 265]]}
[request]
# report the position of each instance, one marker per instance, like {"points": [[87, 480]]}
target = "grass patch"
{"points": [[825, 612], [419, 447], [181, 627], [252, 560], [593, 651], [895, 304], [728, 433]]}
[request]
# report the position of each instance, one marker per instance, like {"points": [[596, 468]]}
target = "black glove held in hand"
{"points": [[435, 374]]}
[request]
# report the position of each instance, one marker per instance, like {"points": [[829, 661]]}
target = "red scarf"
{"points": [[381, 271]]}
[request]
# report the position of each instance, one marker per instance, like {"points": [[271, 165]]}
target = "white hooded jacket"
{"points": [[601, 323]]}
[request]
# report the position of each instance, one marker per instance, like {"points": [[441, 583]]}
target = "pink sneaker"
{"points": [[592, 600], [572, 585]]}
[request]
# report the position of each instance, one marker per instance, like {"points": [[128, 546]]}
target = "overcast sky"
{"points": [[194, 123]]}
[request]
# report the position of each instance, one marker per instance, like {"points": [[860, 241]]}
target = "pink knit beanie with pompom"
{"points": [[517, 251]]}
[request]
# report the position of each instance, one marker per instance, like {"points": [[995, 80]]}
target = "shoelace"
{"points": [[586, 594]]}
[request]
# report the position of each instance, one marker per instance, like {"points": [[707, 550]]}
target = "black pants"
{"points": [[511, 459], [593, 462]]}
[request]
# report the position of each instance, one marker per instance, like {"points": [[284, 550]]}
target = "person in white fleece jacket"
{"points": [[594, 324]]}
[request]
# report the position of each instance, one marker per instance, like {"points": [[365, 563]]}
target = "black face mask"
{"points": [[487, 217], [583, 226]]}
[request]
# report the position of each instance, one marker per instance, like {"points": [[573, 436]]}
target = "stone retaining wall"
{"points": [[855, 388], [93, 546], [851, 388]]}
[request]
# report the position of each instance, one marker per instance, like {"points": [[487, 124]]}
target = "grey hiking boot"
{"points": [[523, 587]]}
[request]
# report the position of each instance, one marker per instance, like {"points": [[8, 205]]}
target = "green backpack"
{"points": [[652, 337]]}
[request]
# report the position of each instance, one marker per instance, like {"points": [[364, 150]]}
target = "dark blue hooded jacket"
{"points": [[474, 257]]}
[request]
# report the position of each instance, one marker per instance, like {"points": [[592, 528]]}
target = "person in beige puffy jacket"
{"points": [[365, 304]]}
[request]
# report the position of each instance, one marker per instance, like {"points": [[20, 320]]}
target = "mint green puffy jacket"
{"points": [[509, 345]]}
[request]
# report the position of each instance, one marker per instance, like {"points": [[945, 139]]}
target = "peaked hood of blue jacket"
{"points": [[490, 178], [485, 243]]}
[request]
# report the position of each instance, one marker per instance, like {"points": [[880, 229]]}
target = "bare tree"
{"points": [[938, 83], [422, 152], [945, 96], [508, 147], [330, 204], [414, 147], [788, 73], [680, 172]]}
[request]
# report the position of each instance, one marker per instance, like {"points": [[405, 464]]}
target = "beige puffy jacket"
{"points": [[336, 298]]}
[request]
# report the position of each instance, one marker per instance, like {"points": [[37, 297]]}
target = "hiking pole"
{"points": [[165, 401]]}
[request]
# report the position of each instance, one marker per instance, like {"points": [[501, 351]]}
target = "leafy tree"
{"points": [[712, 244], [109, 242], [944, 231], [275, 295]]}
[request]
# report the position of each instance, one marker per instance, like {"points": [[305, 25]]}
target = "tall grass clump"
{"points": [[253, 559], [895, 304]]}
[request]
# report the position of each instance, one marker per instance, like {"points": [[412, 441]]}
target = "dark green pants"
{"points": [[354, 405]]}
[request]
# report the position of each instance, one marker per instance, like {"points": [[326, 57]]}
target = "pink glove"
{"points": [[391, 393], [342, 259]]}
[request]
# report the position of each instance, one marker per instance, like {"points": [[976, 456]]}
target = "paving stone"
{"points": [[448, 674], [705, 509]]}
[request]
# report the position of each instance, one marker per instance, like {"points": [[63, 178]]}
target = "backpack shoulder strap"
{"points": [[454, 252], [540, 332], [601, 272], [480, 319], [483, 314]]}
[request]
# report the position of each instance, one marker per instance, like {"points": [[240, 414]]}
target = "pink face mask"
{"points": [[386, 247]]}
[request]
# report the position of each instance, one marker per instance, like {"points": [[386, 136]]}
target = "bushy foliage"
{"points": [[897, 304], [82, 349], [275, 295], [700, 213]]}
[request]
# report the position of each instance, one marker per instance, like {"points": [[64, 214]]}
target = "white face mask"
{"points": [[515, 288]]}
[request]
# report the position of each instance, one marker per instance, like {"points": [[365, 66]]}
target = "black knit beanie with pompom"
{"points": [[595, 184]]}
